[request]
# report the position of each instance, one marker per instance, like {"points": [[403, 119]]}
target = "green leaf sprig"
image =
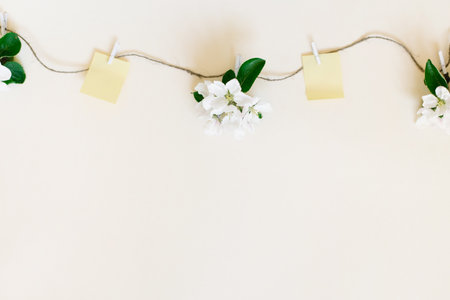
{"points": [[247, 74], [10, 46], [433, 78]]}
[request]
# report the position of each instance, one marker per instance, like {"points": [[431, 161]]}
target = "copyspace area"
{"points": [[329, 199]]}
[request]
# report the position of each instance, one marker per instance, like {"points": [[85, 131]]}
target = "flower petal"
{"points": [[212, 127], [202, 88], [218, 106], [440, 110], [233, 86], [5, 73], [428, 112], [244, 100], [429, 101], [422, 122], [443, 93], [232, 114], [263, 107], [217, 89], [206, 102]]}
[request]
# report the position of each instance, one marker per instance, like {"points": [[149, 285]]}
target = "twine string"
{"points": [[200, 75]]}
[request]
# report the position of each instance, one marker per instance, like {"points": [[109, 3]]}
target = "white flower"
{"points": [[220, 95], [5, 74], [254, 114], [226, 107], [202, 88], [435, 110], [212, 126]]}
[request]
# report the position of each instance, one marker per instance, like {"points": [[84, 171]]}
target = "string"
{"points": [[40, 61], [189, 71], [200, 75]]}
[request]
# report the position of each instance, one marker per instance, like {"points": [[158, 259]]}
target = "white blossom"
{"points": [[435, 110], [226, 108]]}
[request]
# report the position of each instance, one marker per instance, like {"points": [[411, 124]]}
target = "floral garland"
{"points": [[225, 106], [435, 110], [10, 71]]}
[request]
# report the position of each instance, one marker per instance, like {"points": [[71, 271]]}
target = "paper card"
{"points": [[323, 81], [105, 81]]}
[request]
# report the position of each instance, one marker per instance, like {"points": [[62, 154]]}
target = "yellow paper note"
{"points": [[105, 81], [323, 81]]}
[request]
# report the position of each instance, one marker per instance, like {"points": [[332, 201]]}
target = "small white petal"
{"points": [[422, 122], [426, 112], [206, 103], [263, 107], [232, 115], [420, 111], [212, 127], [218, 106], [446, 119], [429, 101], [440, 110], [233, 86], [443, 93], [5, 73], [248, 126], [202, 88], [244, 100], [217, 89], [231, 108], [438, 122]]}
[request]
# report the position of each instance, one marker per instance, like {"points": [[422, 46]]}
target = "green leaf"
{"points": [[198, 97], [10, 45], [249, 71], [17, 72], [229, 75], [433, 78]]}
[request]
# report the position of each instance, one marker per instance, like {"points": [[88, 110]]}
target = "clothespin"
{"points": [[237, 63], [315, 52], [3, 22], [443, 67], [113, 52]]}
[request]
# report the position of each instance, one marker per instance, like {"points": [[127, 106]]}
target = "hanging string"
{"points": [[189, 71], [200, 75], [40, 61], [352, 44]]}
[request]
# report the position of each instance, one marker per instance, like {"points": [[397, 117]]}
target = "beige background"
{"points": [[338, 199]]}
